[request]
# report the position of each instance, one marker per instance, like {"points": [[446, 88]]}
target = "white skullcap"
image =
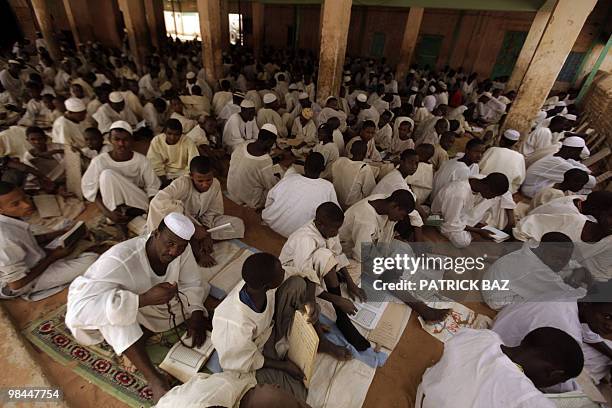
{"points": [[362, 98], [571, 117], [190, 75], [12, 61], [487, 94], [432, 88], [442, 85], [347, 78], [303, 95], [512, 134], [414, 89], [180, 225], [269, 98], [293, 86], [270, 128], [121, 124], [247, 103], [573, 141], [115, 97], [74, 105]]}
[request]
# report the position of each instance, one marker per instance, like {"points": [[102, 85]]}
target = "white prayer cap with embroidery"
{"points": [[116, 97], [270, 128], [180, 225], [74, 105], [123, 125], [303, 95], [512, 134], [347, 78], [269, 98], [247, 104], [362, 98], [190, 75], [574, 141]]}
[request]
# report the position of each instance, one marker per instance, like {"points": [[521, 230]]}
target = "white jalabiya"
{"points": [[36, 114], [395, 181], [103, 303], [534, 226], [528, 277], [248, 178], [271, 116], [398, 145], [307, 132], [21, 252], [596, 257], [228, 110], [452, 170], [67, 132], [545, 196], [429, 102], [223, 389], [293, 201], [254, 97], [220, 99], [239, 333], [131, 182], [198, 136], [353, 180], [202, 208], [421, 182], [515, 321], [383, 137], [13, 85], [195, 105], [420, 115], [506, 161], [13, 142], [186, 123], [171, 160], [330, 154], [439, 157], [237, 131], [539, 138], [566, 204], [339, 141], [474, 372], [424, 127], [541, 153], [455, 203], [368, 114], [105, 116], [550, 170], [327, 113], [362, 224], [154, 119], [309, 255], [90, 153], [148, 87], [372, 152]]}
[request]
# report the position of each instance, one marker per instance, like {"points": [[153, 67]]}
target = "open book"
{"points": [[498, 235], [458, 318], [70, 237], [46, 205], [303, 345], [183, 362]]}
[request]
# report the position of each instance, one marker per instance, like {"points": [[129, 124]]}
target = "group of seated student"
{"points": [[368, 165]]}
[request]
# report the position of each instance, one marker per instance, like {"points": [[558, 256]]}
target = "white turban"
{"points": [[115, 97], [512, 134], [74, 105], [269, 98]]}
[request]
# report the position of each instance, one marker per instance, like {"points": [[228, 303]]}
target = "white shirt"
{"points": [[67, 132], [452, 170], [353, 180], [106, 115], [395, 181], [19, 250], [237, 131], [550, 170], [506, 161], [248, 179]]}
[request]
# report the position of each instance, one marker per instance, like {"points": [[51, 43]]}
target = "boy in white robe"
{"points": [[456, 201], [155, 114], [367, 134], [240, 127], [250, 174], [402, 135], [269, 114], [137, 284], [574, 181], [384, 133], [421, 181], [198, 196], [256, 315], [26, 269], [304, 127], [461, 168], [550, 170], [67, 128], [440, 154], [170, 152], [94, 144], [327, 148], [542, 137], [46, 157], [112, 111], [353, 178], [121, 181], [478, 370], [292, 202], [221, 97], [178, 112], [505, 160], [365, 111], [37, 110], [148, 85]]}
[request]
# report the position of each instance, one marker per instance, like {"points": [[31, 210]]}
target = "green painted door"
{"points": [[508, 54], [377, 49], [428, 49]]}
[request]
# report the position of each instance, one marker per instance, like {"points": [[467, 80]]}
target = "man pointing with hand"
{"points": [[128, 292]]}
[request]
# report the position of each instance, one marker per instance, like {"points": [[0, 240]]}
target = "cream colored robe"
{"points": [[248, 178], [171, 160], [353, 180]]}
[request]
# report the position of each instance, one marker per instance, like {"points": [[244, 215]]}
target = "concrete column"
{"points": [[135, 21], [79, 18], [210, 29], [258, 27], [531, 43], [106, 29], [334, 32], [561, 31], [224, 10], [411, 34], [43, 16], [154, 10]]}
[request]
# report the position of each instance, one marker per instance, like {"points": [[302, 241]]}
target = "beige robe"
{"points": [[171, 161], [68, 132], [353, 180], [421, 182], [271, 116], [249, 177]]}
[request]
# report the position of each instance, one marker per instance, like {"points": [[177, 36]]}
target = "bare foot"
{"points": [[206, 260], [337, 352], [159, 387]]}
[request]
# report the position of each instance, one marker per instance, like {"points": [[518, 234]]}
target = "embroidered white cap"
{"points": [[269, 98], [74, 105], [247, 104], [362, 98], [512, 134], [180, 225], [123, 125], [115, 97], [270, 128]]}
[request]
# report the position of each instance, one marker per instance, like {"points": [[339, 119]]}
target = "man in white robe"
{"points": [[240, 127], [155, 114], [459, 169], [353, 178], [269, 114], [137, 284], [505, 160], [421, 181], [542, 137], [478, 370], [367, 134], [37, 110], [121, 181], [366, 111], [574, 181], [221, 97], [26, 269], [67, 129], [292, 202], [11, 80], [251, 170], [550, 170], [148, 85], [113, 111]]}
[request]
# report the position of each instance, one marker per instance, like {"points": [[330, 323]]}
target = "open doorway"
{"points": [[235, 29]]}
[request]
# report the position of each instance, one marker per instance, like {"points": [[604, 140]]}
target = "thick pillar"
{"points": [[531, 43], [258, 27], [43, 16], [224, 10], [108, 16], [210, 29], [154, 10], [561, 31], [600, 60], [334, 32], [411, 34], [78, 14], [135, 21]]}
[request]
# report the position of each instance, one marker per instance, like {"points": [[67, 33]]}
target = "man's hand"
{"points": [[355, 292], [196, 328], [312, 310], [345, 305], [293, 370], [61, 252], [159, 294], [430, 314], [486, 234]]}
